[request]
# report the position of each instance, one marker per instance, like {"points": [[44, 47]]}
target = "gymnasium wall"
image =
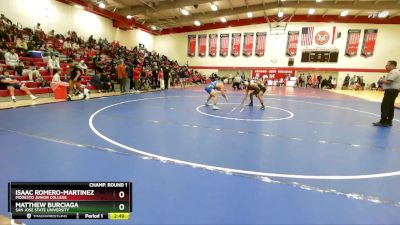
{"points": [[387, 47], [61, 17], [387, 42]]}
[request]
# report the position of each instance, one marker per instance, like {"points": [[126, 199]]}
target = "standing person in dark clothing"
{"points": [[109, 85], [136, 76], [75, 78], [391, 85], [319, 81], [166, 76], [154, 82], [182, 77], [129, 72], [346, 82], [173, 76]]}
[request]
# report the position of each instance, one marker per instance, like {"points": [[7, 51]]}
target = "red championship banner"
{"points": [[235, 44], [353, 39], [191, 45], [223, 44], [272, 73], [248, 40], [202, 45], [212, 47], [369, 42], [261, 37], [292, 42]]}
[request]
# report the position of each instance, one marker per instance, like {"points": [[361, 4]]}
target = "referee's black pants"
{"points": [[387, 106]]}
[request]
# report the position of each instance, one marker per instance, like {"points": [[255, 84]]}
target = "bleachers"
{"points": [[42, 90], [54, 45], [35, 87]]}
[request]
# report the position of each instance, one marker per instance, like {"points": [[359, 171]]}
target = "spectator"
{"points": [[21, 44], [108, 84], [99, 84], [324, 83], [4, 37], [2, 53], [380, 83], [53, 64], [122, 76], [129, 72], [166, 71], [314, 81], [243, 76], [5, 20], [56, 78], [12, 32], [319, 81], [173, 76], [56, 81], [12, 58], [334, 82], [373, 86], [281, 82], [154, 78], [136, 77], [353, 80], [161, 79], [236, 82], [10, 84], [91, 53], [91, 42], [357, 86], [81, 65], [346, 82], [51, 34], [38, 28], [39, 36], [67, 47], [230, 76], [309, 81], [75, 46], [182, 77], [32, 73]]}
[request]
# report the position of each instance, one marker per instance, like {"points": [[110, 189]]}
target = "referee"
{"points": [[391, 85]]}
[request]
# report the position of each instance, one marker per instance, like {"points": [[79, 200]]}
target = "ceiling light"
{"points": [[213, 7], [280, 13], [223, 19], [249, 14], [197, 23], [311, 11], [129, 17], [383, 14], [344, 13], [102, 5], [184, 12], [318, 0], [79, 6]]}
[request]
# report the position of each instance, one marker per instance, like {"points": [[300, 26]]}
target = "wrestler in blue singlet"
{"points": [[211, 86]]}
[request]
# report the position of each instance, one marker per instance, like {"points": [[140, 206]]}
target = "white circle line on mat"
{"points": [[226, 169]]}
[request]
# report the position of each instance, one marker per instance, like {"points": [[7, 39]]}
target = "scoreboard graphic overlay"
{"points": [[70, 200]]}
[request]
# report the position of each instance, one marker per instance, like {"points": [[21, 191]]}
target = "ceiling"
{"points": [[166, 14]]}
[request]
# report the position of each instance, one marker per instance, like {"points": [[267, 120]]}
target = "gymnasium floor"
{"points": [[312, 157]]}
